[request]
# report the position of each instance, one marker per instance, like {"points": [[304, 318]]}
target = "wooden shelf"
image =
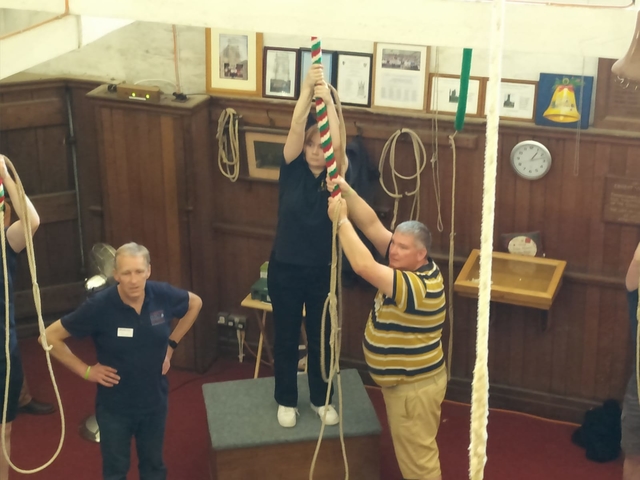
{"points": [[516, 279]]}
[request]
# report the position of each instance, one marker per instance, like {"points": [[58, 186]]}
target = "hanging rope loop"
{"points": [[228, 144], [28, 235]]}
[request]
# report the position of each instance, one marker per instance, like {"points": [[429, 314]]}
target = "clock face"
{"points": [[530, 160]]}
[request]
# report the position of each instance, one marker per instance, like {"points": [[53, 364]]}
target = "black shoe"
{"points": [[37, 408]]}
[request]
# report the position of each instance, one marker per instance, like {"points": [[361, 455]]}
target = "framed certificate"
{"points": [[400, 76], [354, 78]]}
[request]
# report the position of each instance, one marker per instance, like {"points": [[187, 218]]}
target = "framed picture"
{"points": [[264, 152], [280, 73], [400, 76], [234, 62], [444, 93], [328, 62], [564, 100], [517, 99], [353, 81]]}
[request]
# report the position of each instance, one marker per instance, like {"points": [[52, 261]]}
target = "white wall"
{"points": [[145, 51]]}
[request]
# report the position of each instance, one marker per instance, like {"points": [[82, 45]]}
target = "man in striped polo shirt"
{"points": [[401, 344]]}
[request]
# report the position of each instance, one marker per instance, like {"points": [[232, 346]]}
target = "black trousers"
{"points": [[291, 287]]}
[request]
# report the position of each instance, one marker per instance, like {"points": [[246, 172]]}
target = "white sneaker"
{"points": [[287, 416], [327, 414]]}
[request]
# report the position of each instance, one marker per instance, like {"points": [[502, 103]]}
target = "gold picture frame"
{"points": [[234, 62], [264, 152]]}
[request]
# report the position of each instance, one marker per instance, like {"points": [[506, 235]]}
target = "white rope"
{"points": [[28, 235], [334, 305], [420, 156], [480, 386], [229, 168]]}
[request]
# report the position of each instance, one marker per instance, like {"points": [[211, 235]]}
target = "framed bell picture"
{"points": [[264, 152], [400, 76], [517, 99], [564, 100], [234, 62], [444, 94], [353, 81], [280, 73]]}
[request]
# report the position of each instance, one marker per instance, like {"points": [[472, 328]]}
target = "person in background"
{"points": [[130, 324]]}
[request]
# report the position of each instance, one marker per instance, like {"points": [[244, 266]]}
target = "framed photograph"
{"points": [[264, 152], [400, 76], [280, 73], [353, 81], [234, 62], [564, 100], [444, 94], [328, 62], [518, 99]]}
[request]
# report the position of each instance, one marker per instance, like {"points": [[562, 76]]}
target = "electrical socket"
{"points": [[237, 321], [241, 322], [222, 318]]}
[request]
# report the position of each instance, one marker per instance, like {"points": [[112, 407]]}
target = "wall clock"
{"points": [[530, 159]]}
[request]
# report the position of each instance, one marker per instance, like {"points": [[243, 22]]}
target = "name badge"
{"points": [[125, 332]]}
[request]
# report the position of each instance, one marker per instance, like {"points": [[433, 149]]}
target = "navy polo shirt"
{"points": [[135, 345], [303, 235]]}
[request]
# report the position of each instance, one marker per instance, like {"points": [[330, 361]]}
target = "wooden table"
{"points": [[261, 309]]}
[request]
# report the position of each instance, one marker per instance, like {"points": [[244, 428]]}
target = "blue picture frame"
{"points": [[328, 62], [562, 98]]}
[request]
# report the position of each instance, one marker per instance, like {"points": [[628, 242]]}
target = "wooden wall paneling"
{"points": [[88, 166], [575, 342], [622, 354], [204, 265], [606, 345]]}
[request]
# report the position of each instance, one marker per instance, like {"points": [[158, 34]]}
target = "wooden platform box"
{"points": [[516, 279], [248, 443]]}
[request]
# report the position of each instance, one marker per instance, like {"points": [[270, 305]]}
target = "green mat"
{"points": [[242, 413]]}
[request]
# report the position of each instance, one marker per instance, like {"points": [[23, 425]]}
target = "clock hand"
{"points": [[533, 158]]}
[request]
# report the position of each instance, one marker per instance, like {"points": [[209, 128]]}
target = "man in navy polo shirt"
{"points": [[130, 327]]}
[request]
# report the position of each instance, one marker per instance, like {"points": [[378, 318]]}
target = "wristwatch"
{"points": [[173, 344]]}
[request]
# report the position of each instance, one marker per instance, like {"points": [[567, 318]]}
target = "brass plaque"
{"points": [[622, 200]]}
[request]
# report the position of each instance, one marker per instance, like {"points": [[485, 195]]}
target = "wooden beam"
{"points": [[55, 299], [56, 207], [32, 114]]}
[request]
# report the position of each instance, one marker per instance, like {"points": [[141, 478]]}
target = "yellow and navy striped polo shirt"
{"points": [[402, 337]]}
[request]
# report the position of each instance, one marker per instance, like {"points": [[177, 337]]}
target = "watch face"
{"points": [[531, 160]]}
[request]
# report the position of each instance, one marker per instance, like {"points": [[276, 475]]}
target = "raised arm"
{"points": [[364, 217], [15, 233], [360, 258], [295, 139]]}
